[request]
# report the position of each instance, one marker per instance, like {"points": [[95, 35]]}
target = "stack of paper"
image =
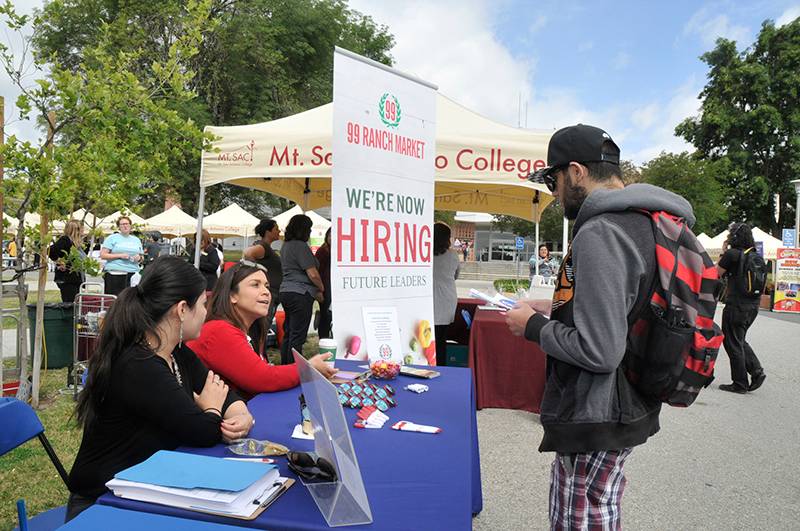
{"points": [[201, 483], [497, 300]]}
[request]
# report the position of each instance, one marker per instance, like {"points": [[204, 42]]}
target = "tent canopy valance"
{"points": [[481, 165]]}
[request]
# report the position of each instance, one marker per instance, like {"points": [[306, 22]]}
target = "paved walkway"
{"points": [[727, 462]]}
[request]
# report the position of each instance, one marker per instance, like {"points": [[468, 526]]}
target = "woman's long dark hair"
{"points": [[441, 238], [137, 310], [740, 236], [221, 308], [299, 228]]}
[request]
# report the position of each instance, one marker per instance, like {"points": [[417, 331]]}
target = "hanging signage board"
{"points": [[384, 131]]}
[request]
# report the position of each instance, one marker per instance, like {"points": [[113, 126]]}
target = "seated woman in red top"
{"points": [[241, 298]]}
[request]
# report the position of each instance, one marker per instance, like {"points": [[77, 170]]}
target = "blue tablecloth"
{"points": [[413, 480], [103, 518]]}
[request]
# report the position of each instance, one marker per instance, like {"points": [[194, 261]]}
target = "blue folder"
{"points": [[189, 471]]}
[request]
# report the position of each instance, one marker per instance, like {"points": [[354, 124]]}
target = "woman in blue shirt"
{"points": [[123, 255]]}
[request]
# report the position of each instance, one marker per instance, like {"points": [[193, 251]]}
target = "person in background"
{"points": [[465, 250], [240, 303], [445, 298], [548, 266], [68, 281], [263, 253], [209, 261], [12, 249], [152, 249], [301, 285], [741, 310], [123, 254], [221, 255], [146, 390], [323, 256]]}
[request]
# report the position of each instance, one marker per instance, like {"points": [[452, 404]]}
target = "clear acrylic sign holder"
{"points": [[344, 501]]}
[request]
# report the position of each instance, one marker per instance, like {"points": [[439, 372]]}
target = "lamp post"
{"points": [[796, 184]]}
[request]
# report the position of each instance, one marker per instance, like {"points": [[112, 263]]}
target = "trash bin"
{"points": [[58, 325]]}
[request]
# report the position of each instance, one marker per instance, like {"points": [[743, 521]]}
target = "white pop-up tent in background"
{"points": [[172, 222]]}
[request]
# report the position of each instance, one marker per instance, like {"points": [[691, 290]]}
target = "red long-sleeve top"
{"points": [[225, 350]]}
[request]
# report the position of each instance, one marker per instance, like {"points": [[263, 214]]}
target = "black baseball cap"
{"points": [[577, 143]]}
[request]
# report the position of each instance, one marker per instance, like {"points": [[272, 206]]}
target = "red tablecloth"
{"points": [[509, 371], [458, 330]]}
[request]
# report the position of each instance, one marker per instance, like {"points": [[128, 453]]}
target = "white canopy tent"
{"points": [[172, 222], [232, 220], [319, 225], [481, 165], [13, 223], [770, 243], [89, 219], [704, 239]]}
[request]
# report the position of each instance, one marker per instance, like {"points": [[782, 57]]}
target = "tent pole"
{"points": [[536, 216], [306, 193], [201, 204], [565, 237]]}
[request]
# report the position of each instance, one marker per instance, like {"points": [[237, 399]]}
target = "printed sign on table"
{"points": [[384, 131]]}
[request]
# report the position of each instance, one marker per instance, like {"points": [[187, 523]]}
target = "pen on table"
{"points": [[251, 459]]}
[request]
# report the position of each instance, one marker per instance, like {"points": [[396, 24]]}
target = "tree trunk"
{"points": [[43, 244], [38, 340]]}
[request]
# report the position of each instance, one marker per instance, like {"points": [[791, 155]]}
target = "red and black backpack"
{"points": [[673, 340]]}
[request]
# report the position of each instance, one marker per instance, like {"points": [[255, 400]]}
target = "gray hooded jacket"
{"points": [[588, 404]]}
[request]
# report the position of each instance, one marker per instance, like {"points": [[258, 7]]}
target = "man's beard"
{"points": [[574, 196]]}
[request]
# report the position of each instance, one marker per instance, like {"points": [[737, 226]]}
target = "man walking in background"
{"points": [[591, 415], [741, 310]]}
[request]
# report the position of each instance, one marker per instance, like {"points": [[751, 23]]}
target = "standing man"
{"points": [[741, 309], [591, 415]]}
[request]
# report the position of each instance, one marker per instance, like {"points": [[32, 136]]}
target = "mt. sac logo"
{"points": [[242, 156], [389, 110]]}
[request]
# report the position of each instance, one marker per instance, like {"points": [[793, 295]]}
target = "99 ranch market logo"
{"points": [[389, 110]]}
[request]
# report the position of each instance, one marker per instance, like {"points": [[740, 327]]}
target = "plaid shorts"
{"points": [[586, 490]]}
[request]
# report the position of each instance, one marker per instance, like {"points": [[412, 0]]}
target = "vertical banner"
{"points": [[384, 131], [787, 281]]}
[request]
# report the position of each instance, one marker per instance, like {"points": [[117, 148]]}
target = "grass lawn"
{"points": [[27, 473]]}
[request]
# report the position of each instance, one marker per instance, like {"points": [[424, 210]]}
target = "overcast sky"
{"points": [[631, 69]]}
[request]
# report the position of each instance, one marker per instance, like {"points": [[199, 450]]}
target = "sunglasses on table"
{"points": [[311, 467]]}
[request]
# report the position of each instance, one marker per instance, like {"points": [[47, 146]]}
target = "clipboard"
{"points": [[261, 508]]}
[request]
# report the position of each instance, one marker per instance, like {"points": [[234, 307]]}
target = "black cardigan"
{"points": [[60, 249], [145, 411], [209, 264]]}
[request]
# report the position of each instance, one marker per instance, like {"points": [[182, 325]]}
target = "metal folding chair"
{"points": [[21, 424]]}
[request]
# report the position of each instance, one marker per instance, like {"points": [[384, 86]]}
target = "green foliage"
{"points": [[750, 118], [258, 60], [78, 262], [695, 179], [511, 285], [445, 216]]}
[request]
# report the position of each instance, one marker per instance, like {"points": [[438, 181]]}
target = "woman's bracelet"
{"points": [[217, 411]]}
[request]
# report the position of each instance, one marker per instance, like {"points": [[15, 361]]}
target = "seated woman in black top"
{"points": [[146, 391]]}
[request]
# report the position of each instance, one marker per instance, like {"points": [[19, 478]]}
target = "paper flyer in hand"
{"points": [[497, 299]]}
